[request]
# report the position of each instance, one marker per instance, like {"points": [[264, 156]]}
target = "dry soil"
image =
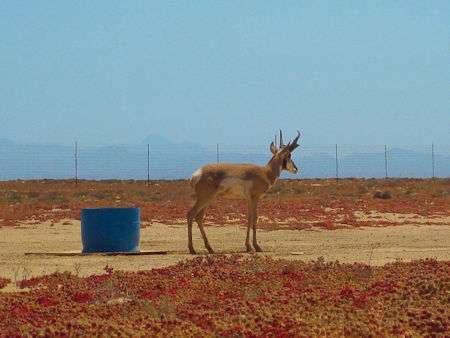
{"points": [[374, 246]]}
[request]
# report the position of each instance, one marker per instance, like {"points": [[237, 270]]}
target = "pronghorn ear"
{"points": [[273, 149]]}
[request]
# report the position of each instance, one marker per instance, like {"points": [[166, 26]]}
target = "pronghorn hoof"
{"points": [[211, 251], [258, 249], [192, 251]]}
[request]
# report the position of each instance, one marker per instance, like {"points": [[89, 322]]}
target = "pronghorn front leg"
{"points": [[254, 221]]}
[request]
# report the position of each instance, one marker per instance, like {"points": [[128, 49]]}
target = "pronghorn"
{"points": [[238, 181]]}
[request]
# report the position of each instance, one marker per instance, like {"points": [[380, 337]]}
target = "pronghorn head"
{"points": [[284, 153]]}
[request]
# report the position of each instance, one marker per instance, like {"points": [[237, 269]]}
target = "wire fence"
{"points": [[179, 161]]}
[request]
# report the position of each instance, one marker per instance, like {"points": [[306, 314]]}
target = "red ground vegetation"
{"points": [[294, 204], [236, 296]]}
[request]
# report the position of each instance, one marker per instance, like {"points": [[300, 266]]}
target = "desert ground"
{"points": [[298, 220], [27, 250]]}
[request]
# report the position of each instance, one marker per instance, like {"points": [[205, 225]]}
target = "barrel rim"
{"points": [[111, 208]]}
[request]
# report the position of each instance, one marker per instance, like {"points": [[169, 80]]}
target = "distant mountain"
{"points": [[169, 160], [158, 140]]}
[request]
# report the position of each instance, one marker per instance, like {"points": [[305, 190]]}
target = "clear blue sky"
{"points": [[234, 72]]}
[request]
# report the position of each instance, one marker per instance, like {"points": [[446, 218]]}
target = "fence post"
{"points": [[76, 163], [385, 161], [217, 152], [148, 164], [432, 159], [337, 164]]}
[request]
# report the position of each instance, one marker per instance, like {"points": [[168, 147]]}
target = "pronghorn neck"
{"points": [[274, 168]]}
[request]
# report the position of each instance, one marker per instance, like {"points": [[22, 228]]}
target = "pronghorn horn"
{"points": [[281, 139], [293, 145]]}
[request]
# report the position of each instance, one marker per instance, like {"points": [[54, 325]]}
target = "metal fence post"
{"points": [[76, 163], [432, 159], [385, 161], [217, 152], [148, 164], [337, 164]]}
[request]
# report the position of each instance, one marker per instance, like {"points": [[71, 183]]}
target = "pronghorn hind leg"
{"points": [[190, 217], [197, 212], [254, 221], [249, 214], [199, 219]]}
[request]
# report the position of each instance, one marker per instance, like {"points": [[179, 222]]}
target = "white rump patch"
{"points": [[196, 176]]}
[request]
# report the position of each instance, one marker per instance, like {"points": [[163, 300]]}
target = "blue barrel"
{"points": [[110, 229]]}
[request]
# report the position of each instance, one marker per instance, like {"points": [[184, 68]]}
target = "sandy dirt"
{"points": [[375, 246]]}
